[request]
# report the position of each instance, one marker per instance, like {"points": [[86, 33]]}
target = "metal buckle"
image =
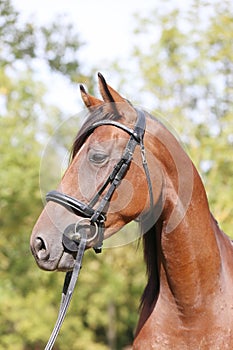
{"points": [[74, 232]]}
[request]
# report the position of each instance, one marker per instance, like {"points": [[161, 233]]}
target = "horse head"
{"points": [[105, 184]]}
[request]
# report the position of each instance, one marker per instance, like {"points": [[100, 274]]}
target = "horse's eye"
{"points": [[98, 157]]}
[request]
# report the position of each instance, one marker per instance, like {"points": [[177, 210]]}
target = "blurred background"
{"points": [[174, 59]]}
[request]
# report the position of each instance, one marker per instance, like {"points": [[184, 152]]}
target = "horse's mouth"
{"points": [[66, 262]]}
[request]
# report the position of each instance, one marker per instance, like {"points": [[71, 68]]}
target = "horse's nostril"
{"points": [[41, 249]]}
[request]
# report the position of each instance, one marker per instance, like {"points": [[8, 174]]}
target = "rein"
{"points": [[68, 288], [91, 225]]}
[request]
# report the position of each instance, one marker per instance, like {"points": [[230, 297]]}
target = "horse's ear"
{"points": [[89, 100], [107, 92], [117, 103]]}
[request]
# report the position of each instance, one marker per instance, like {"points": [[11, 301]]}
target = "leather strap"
{"points": [[68, 289]]}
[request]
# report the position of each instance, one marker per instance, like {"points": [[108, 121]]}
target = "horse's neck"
{"points": [[189, 250]]}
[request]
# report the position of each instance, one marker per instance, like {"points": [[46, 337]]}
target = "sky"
{"points": [[104, 26]]}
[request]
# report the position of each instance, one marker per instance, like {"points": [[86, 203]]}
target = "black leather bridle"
{"points": [[91, 225]]}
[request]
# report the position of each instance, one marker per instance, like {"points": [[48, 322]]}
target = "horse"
{"points": [[187, 302]]}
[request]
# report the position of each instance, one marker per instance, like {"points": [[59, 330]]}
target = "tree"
{"points": [[56, 45], [23, 130], [188, 67], [29, 298]]}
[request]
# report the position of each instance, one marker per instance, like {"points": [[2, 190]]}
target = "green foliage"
{"points": [[56, 44], [188, 67], [104, 309], [16, 42], [25, 292], [105, 304], [20, 204], [213, 154]]}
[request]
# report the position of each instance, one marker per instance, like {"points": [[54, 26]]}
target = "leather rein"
{"points": [[91, 225]]}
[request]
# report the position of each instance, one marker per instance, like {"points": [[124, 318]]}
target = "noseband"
{"points": [[91, 225]]}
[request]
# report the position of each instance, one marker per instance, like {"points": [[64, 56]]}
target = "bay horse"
{"points": [[188, 300]]}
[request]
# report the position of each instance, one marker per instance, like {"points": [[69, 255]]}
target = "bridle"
{"points": [[93, 215]]}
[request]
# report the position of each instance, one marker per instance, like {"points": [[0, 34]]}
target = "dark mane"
{"points": [[151, 246], [95, 114]]}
